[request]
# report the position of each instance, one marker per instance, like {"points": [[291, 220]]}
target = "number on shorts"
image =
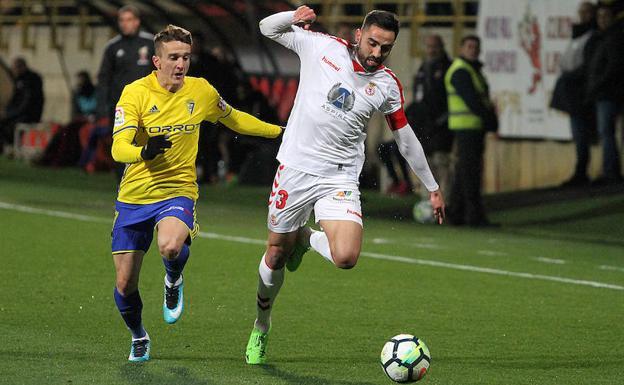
{"points": [[280, 202]]}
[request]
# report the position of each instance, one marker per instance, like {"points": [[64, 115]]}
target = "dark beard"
{"points": [[371, 68]]}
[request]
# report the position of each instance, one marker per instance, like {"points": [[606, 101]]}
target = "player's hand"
{"points": [[304, 14], [437, 203], [155, 145]]}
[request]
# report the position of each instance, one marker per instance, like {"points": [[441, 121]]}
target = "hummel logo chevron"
{"points": [[154, 109]]}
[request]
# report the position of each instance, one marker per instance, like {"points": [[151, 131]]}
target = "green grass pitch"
{"points": [[539, 301]]}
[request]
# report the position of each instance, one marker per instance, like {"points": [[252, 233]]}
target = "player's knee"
{"points": [[169, 249], [345, 259], [276, 256], [126, 287]]}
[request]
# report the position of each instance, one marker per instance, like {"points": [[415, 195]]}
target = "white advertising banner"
{"points": [[522, 41]]}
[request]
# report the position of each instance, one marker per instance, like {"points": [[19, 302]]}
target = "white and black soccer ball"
{"points": [[405, 358], [423, 212]]}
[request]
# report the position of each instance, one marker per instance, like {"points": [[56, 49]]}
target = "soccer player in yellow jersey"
{"points": [[156, 133]]}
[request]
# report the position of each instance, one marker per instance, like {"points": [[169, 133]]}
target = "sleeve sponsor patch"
{"points": [[120, 117], [222, 105]]}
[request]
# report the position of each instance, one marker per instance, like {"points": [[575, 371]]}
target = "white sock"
{"points": [[269, 284], [320, 243]]}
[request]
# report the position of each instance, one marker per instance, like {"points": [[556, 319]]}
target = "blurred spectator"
{"points": [[84, 101], [249, 157], [26, 104], [127, 57], [225, 75], [428, 114], [345, 32], [64, 148], [204, 65], [605, 86], [471, 115], [569, 93], [389, 154]]}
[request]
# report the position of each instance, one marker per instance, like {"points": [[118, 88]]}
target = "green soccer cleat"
{"points": [[256, 347], [301, 247]]}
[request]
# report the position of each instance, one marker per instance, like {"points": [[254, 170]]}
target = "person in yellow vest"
{"points": [[471, 115], [156, 131]]}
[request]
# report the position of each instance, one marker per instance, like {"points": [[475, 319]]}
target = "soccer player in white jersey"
{"points": [[322, 151]]}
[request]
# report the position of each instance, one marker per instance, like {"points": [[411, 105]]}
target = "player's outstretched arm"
{"points": [[246, 124], [411, 149]]}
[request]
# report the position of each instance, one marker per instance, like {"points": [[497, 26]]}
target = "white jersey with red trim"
{"points": [[336, 98]]}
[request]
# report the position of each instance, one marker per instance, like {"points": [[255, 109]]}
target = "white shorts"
{"points": [[294, 194]]}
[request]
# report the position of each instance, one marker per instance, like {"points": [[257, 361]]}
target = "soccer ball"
{"points": [[423, 212], [405, 358]]}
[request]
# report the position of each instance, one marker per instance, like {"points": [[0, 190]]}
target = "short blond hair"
{"points": [[171, 33]]}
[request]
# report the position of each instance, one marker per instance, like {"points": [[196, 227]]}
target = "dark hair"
{"points": [[20, 62], [475, 38], [86, 88], [382, 19], [172, 33], [130, 8]]}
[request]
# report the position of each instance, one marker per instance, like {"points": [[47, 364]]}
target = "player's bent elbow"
{"points": [[116, 156], [264, 29]]}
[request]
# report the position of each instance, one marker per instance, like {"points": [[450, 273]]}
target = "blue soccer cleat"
{"points": [[173, 303], [140, 349]]}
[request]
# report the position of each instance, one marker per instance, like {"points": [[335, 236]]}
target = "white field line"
{"points": [[554, 261], [491, 253], [394, 258], [612, 268]]}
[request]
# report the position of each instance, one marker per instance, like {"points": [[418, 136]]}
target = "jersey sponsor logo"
{"points": [[182, 128], [344, 196], [349, 211], [370, 89], [154, 109], [143, 60], [190, 106], [120, 116], [329, 63], [341, 98], [171, 208], [222, 104]]}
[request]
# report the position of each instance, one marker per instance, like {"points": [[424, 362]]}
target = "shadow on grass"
{"points": [[294, 378], [139, 374]]}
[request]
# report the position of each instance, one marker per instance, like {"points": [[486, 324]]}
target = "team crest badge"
{"points": [[190, 105], [341, 98], [370, 89]]}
